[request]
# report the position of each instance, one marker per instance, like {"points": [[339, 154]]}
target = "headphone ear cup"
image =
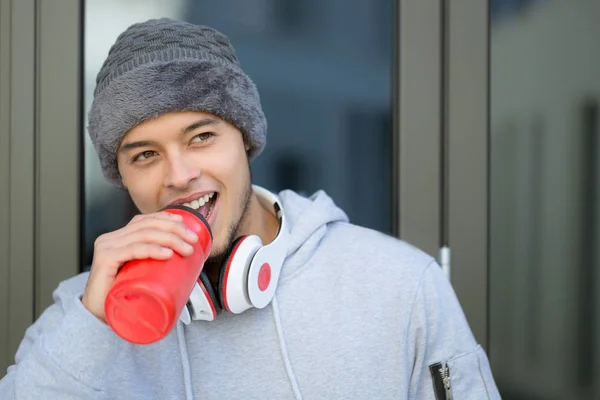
{"points": [[224, 272], [233, 280], [203, 304]]}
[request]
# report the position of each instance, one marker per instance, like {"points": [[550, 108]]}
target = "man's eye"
{"points": [[143, 156], [202, 137]]}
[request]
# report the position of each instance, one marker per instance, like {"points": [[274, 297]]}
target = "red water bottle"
{"points": [[148, 295]]}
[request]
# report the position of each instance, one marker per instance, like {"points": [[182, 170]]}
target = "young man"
{"points": [[355, 314]]}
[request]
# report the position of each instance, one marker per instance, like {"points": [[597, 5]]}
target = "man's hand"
{"points": [[153, 236]]}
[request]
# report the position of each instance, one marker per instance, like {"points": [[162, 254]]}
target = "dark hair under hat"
{"points": [[160, 66]]}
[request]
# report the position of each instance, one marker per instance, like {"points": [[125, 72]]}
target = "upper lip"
{"points": [[191, 197]]}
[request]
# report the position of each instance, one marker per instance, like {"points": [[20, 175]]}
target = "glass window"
{"points": [[324, 73], [545, 188]]}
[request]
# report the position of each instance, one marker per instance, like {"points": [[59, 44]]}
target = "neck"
{"points": [[260, 221]]}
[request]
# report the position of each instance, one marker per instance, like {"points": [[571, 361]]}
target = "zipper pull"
{"points": [[445, 373]]}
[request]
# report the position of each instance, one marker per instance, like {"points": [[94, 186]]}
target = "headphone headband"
{"points": [[272, 201]]}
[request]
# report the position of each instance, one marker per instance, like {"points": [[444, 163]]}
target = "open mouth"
{"points": [[204, 204]]}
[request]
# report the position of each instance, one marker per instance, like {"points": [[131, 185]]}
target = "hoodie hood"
{"points": [[307, 219]]}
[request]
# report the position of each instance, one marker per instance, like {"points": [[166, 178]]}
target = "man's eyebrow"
{"points": [[145, 143], [134, 145], [199, 124]]}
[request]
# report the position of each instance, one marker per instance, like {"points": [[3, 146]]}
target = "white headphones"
{"points": [[249, 275]]}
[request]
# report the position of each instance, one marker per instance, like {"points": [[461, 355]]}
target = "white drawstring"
{"points": [[185, 362], [283, 348]]}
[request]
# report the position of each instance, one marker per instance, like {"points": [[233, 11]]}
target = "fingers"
{"points": [[160, 215], [177, 241], [161, 229], [162, 221], [140, 251]]}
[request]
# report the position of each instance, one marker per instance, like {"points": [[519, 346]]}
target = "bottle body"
{"points": [[148, 295]]}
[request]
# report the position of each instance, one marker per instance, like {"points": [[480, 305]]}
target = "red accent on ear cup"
{"points": [[225, 272], [264, 277], [209, 292]]}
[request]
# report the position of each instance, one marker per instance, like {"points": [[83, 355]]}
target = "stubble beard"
{"points": [[215, 261]]}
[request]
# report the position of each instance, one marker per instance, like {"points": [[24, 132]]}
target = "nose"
{"points": [[180, 172]]}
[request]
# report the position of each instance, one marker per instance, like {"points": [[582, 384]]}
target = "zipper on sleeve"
{"points": [[442, 385]]}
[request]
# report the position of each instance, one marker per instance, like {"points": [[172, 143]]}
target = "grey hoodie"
{"points": [[357, 315]]}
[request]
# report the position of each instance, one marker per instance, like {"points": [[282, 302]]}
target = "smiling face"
{"points": [[191, 158]]}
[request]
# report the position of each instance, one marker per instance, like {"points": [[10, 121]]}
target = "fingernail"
{"points": [[192, 235], [188, 247], [166, 251]]}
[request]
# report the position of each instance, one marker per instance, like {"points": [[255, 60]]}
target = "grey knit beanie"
{"points": [[163, 65]]}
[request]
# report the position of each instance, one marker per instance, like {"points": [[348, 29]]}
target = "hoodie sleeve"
{"points": [[64, 354], [447, 361]]}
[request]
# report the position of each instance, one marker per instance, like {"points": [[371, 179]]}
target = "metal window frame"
{"points": [[40, 159], [17, 173], [467, 172], [418, 123], [442, 155], [60, 145]]}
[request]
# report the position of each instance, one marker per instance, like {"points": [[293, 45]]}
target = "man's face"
{"points": [[191, 158]]}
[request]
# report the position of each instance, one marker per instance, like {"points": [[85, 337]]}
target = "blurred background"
{"points": [[468, 126], [544, 198]]}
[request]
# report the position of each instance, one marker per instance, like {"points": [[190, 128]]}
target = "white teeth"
{"points": [[195, 204]]}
